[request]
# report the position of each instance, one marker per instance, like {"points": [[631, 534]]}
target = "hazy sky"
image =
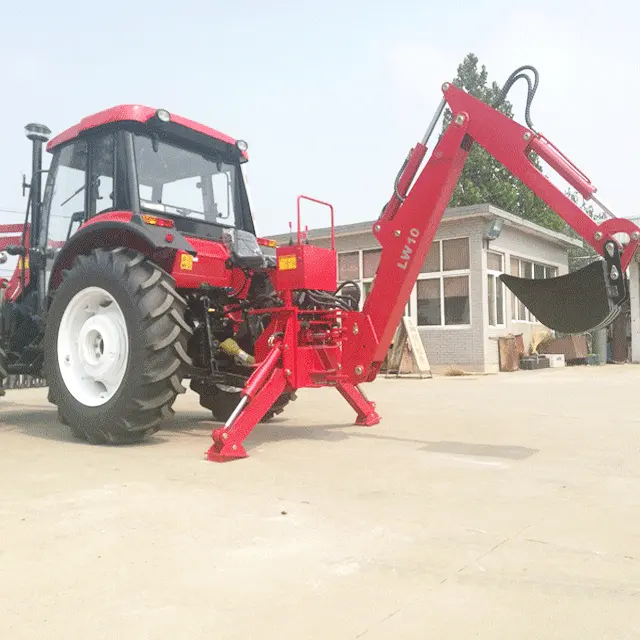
{"points": [[329, 95]]}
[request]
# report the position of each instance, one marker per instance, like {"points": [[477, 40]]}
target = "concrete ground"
{"points": [[481, 507]]}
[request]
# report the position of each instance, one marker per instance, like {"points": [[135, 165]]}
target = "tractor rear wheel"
{"points": [[222, 400], [4, 372], [115, 347]]}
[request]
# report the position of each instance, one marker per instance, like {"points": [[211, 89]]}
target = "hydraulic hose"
{"points": [[531, 90]]}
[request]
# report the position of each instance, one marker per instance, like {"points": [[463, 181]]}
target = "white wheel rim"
{"points": [[93, 346]]}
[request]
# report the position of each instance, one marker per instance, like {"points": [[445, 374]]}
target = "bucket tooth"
{"points": [[580, 301]]}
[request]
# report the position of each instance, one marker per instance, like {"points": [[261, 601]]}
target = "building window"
{"points": [[527, 269], [431, 263], [495, 289], [429, 302], [455, 254], [360, 267], [456, 300], [442, 290], [447, 255], [349, 266], [370, 262]]}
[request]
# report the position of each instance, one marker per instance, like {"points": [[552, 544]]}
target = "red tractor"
{"points": [[139, 268], [136, 268]]}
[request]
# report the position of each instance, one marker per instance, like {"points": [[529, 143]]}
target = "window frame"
{"points": [[494, 274], [529, 318], [411, 308], [53, 176], [90, 202], [186, 140], [442, 275]]}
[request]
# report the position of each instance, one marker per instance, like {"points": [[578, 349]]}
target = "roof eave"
{"points": [[486, 211]]}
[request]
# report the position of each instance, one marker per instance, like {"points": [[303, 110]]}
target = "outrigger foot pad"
{"points": [[584, 300]]}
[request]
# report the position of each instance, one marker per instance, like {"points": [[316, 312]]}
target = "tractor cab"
{"points": [[129, 176], [144, 161]]}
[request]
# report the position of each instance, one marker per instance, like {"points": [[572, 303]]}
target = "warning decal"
{"points": [[286, 263], [186, 262]]}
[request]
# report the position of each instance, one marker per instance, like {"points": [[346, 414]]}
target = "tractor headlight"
{"points": [[242, 145], [163, 115]]}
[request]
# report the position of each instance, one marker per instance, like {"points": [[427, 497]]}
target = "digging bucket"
{"points": [[580, 301]]}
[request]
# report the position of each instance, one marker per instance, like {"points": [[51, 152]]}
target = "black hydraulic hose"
{"points": [[396, 182], [346, 282], [244, 284], [531, 90], [324, 299]]}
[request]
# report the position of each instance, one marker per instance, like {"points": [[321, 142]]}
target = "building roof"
{"points": [[487, 211]]}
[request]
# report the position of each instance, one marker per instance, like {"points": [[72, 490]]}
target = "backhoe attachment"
{"points": [[316, 335], [584, 300]]}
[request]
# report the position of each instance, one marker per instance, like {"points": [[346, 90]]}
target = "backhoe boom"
{"points": [[409, 221], [318, 338]]}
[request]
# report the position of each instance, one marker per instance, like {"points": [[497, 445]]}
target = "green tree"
{"points": [[483, 178]]}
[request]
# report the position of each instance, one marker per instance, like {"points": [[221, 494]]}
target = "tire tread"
{"points": [[166, 334]]}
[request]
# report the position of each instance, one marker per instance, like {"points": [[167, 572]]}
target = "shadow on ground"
{"points": [[40, 421], [283, 429]]}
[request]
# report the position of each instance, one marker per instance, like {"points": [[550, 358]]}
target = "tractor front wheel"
{"points": [[115, 346]]}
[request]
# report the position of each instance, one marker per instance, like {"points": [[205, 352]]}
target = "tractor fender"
{"points": [[114, 231]]}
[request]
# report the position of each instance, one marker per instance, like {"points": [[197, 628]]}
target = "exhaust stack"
{"points": [[38, 134]]}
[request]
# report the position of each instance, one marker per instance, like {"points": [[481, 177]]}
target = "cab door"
{"points": [[80, 185], [65, 199]]}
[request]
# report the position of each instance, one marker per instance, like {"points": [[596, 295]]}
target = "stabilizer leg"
{"points": [[365, 409], [263, 388]]}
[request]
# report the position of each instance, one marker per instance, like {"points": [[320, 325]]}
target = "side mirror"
{"points": [[76, 216]]}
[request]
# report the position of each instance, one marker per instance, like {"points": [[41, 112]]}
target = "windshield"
{"points": [[183, 182]]}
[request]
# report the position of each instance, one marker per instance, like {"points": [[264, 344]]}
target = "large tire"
{"points": [[132, 343], [4, 371], [222, 402]]}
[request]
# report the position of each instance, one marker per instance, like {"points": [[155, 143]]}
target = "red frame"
{"points": [[512, 148], [13, 285], [209, 265], [135, 113], [305, 266], [344, 348], [322, 202]]}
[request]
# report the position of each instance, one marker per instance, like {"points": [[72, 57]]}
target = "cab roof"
{"points": [[135, 113]]}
